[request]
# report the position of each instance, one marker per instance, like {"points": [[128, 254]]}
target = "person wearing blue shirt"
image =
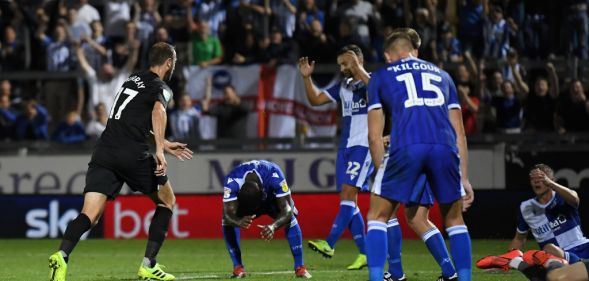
{"points": [[256, 188], [32, 125], [353, 162], [427, 139], [71, 130]]}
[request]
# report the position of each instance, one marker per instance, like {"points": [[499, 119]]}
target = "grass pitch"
{"points": [[101, 260]]}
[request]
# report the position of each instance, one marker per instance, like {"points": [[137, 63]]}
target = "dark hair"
{"points": [[159, 53], [351, 47], [397, 34], [249, 198], [544, 168]]}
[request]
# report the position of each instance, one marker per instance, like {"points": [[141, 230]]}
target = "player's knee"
{"points": [[377, 215], [348, 193]]}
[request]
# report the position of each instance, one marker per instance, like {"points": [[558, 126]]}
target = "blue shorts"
{"points": [[399, 176], [353, 167], [421, 196], [582, 251]]}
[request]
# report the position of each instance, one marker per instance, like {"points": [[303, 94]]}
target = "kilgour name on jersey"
{"points": [[137, 80], [413, 66]]}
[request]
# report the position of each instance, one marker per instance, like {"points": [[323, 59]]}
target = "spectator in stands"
{"points": [[87, 13], [362, 13], [214, 12], [307, 13], [96, 126], [12, 51], [471, 26], [76, 26], [246, 52], [496, 34], [394, 12], [513, 68], [7, 118], [317, 45], [279, 51], [255, 13], [508, 107], [184, 122], [32, 124], [469, 103], [177, 20], [58, 49], [572, 113], [347, 37], [536, 30], [576, 27], [231, 113], [149, 19], [95, 45], [117, 14], [448, 47], [284, 16], [162, 35], [105, 82], [122, 48], [206, 49], [540, 106], [425, 26], [71, 130]]}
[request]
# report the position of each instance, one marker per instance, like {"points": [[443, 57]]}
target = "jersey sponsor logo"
{"points": [[557, 222], [226, 192], [284, 186], [538, 231], [355, 106]]}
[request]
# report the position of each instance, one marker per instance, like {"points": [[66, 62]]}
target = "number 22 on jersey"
{"points": [[426, 84], [130, 94]]}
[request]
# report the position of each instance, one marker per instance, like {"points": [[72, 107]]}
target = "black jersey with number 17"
{"points": [[129, 121]]}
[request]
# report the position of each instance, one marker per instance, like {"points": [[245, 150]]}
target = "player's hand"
{"points": [[350, 60], [468, 198], [386, 140], [179, 150], [246, 221], [305, 68], [267, 231], [539, 177], [161, 164]]}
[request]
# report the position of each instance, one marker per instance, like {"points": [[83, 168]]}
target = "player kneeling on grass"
{"points": [[253, 189], [542, 266], [553, 218]]}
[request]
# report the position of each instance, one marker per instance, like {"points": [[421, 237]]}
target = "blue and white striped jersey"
{"points": [[353, 98], [555, 222]]}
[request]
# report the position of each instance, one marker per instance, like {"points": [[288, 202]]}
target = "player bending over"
{"points": [[353, 162], [253, 189], [553, 218], [427, 138], [122, 156]]}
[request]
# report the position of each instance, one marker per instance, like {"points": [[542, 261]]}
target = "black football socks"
{"points": [[157, 233], [73, 232]]}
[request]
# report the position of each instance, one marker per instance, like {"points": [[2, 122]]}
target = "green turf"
{"points": [[208, 260]]}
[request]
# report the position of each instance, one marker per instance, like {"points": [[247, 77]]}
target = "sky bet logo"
{"points": [[48, 222]]}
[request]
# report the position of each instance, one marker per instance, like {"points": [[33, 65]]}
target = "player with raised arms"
{"points": [[426, 119], [122, 156], [253, 189], [353, 162]]}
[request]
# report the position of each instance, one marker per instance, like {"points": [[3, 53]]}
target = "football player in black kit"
{"points": [[122, 156]]}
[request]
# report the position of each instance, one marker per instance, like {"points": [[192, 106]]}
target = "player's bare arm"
{"points": [[158, 120], [519, 240], [285, 216], [456, 120], [569, 195], [314, 96], [375, 140], [230, 215], [352, 62]]}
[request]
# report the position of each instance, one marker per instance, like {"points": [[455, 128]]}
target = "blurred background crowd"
{"points": [[520, 66]]}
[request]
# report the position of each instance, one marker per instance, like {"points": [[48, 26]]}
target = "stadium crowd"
{"points": [[482, 41]]}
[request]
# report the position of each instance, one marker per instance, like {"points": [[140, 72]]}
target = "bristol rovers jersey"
{"points": [[273, 182], [555, 222], [352, 96], [418, 96]]}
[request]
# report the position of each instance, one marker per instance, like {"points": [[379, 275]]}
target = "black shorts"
{"points": [[110, 168]]}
